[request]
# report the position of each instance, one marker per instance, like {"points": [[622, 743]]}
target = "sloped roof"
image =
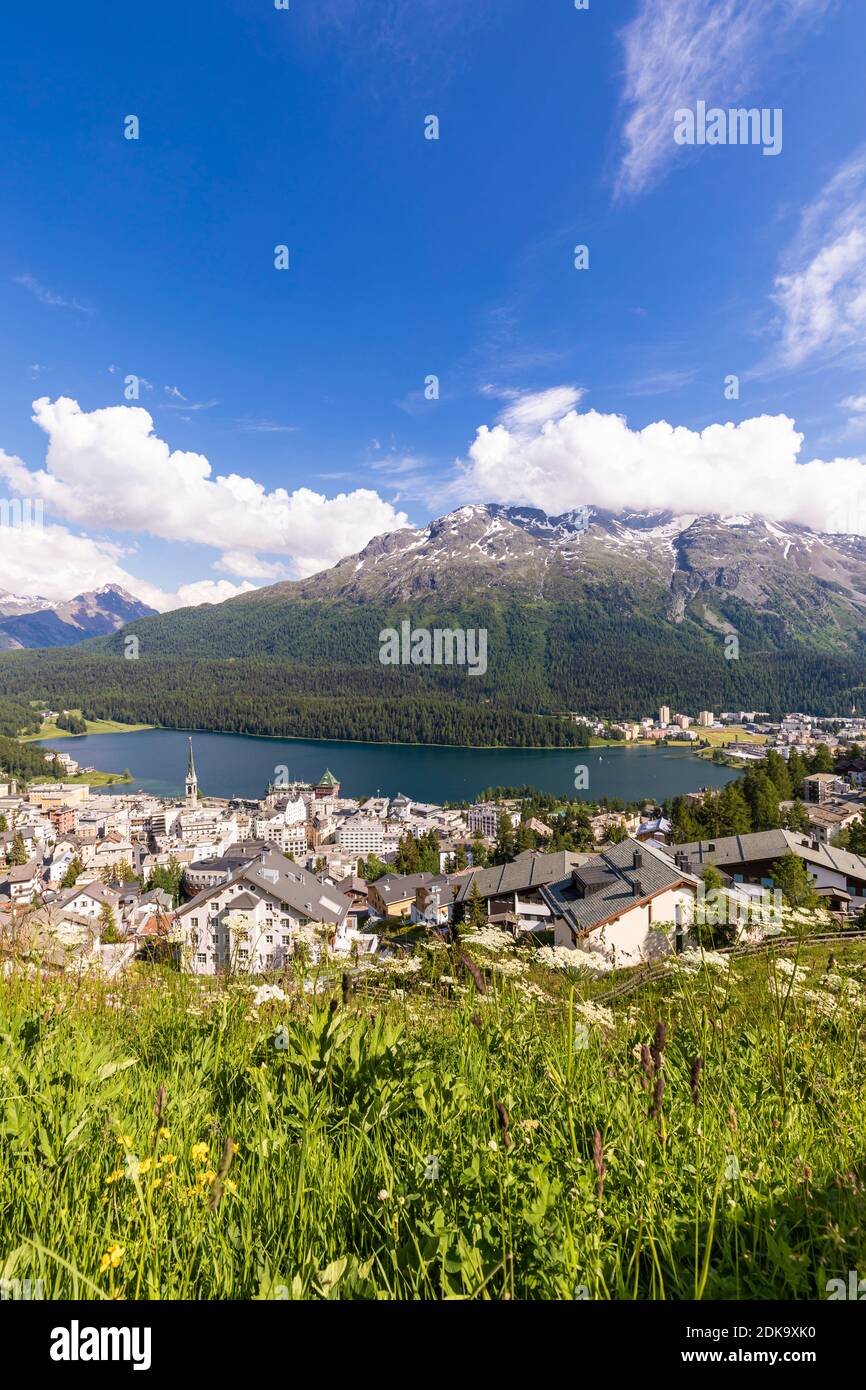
{"points": [[528, 870], [278, 877], [616, 882], [762, 845]]}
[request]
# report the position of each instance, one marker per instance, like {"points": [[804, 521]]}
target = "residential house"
{"points": [[625, 903]]}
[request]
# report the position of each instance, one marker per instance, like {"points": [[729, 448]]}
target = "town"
{"points": [[94, 882]]}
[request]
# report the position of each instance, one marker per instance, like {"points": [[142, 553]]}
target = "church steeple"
{"points": [[191, 780]]}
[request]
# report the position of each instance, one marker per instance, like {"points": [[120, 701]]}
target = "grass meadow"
{"points": [[443, 1132]]}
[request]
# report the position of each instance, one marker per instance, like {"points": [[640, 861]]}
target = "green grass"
{"points": [[94, 726], [372, 1159]]}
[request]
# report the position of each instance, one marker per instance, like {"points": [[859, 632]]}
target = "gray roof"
{"points": [[393, 888], [764, 845], [608, 884], [529, 870], [285, 881]]}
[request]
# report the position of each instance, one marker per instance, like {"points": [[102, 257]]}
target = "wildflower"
{"points": [[112, 1257], [600, 1168], [384, 1195], [228, 1154], [697, 1065], [125, 1140], [168, 1158], [115, 1176], [198, 1152], [165, 1133], [208, 1177], [504, 1123]]}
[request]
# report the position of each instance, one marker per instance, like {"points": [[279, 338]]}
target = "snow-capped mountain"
{"points": [[40, 622]]}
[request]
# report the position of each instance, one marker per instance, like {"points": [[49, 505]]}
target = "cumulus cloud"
{"points": [[107, 469], [681, 51], [821, 288], [573, 458], [53, 562]]}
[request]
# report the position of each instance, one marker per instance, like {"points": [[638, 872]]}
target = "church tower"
{"points": [[191, 780]]}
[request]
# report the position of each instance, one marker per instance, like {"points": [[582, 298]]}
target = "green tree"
{"points": [[790, 876], [795, 818], [735, 818], [821, 760], [74, 868], [476, 912], [777, 771], [108, 933], [504, 850], [17, 854]]}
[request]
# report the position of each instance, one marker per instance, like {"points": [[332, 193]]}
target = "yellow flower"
{"points": [[208, 1177], [154, 1184], [115, 1176], [168, 1158], [165, 1133], [125, 1140], [143, 1166], [112, 1257], [198, 1152], [231, 1185]]}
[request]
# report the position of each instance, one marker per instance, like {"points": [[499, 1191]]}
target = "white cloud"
{"points": [[540, 406], [821, 288], [208, 591], [46, 296], [681, 51], [595, 459], [107, 469], [54, 563], [856, 404], [245, 566]]}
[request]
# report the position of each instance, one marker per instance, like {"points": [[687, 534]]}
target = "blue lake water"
{"points": [[240, 765]]}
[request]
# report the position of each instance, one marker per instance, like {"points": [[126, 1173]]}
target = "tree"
{"points": [[617, 832], [4, 824], [821, 760], [17, 854], [525, 838], [476, 914], [480, 857], [777, 771], [108, 934], [763, 798], [797, 770], [372, 869], [735, 818], [795, 818], [504, 850], [168, 877], [856, 836], [790, 876], [74, 868]]}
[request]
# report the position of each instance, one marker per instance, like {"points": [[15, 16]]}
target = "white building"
{"points": [[484, 816], [251, 922], [361, 834]]}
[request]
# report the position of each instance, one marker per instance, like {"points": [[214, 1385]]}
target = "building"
{"points": [[819, 787], [515, 891], [484, 816], [326, 786], [394, 894], [251, 922], [665, 716], [625, 903], [838, 875], [706, 718], [191, 787], [361, 834]]}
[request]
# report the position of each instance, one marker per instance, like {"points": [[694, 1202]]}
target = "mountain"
{"points": [[606, 614], [39, 622]]}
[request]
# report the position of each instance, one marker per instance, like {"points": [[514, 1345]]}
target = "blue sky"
{"points": [[412, 257]]}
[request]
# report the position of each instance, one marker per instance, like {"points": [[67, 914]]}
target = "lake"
{"points": [[239, 765]]}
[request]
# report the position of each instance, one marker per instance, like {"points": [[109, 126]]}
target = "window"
{"points": [[202, 958], [269, 939], [193, 921]]}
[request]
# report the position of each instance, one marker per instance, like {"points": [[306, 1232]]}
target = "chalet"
{"points": [[252, 921], [21, 881], [517, 888], [625, 903], [394, 895], [838, 875]]}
